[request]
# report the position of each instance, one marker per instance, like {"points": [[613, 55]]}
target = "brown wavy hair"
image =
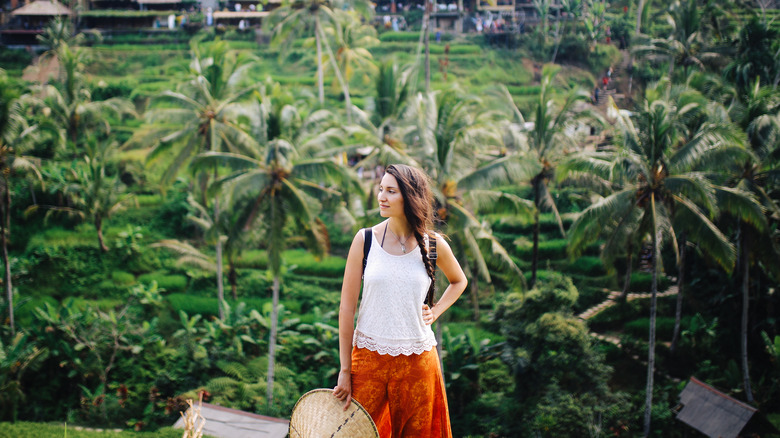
{"points": [[415, 187]]}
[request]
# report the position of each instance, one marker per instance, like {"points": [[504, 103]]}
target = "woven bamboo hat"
{"points": [[319, 414]]}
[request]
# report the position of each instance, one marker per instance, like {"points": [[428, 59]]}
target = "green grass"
{"points": [[25, 429]]}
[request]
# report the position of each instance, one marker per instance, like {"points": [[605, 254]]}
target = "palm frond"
{"points": [[703, 232], [741, 204]]}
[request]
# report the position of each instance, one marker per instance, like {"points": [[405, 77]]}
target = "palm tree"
{"points": [[660, 190], [91, 192], [15, 137], [549, 139], [383, 129], [351, 41], [755, 56], [228, 240], [68, 101], [686, 45], [454, 133], [272, 188], [204, 114], [296, 16], [757, 113]]}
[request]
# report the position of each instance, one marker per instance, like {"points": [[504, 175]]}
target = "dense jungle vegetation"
{"points": [[176, 211]]}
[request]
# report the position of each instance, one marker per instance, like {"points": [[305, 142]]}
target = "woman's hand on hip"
{"points": [[343, 389], [428, 316]]}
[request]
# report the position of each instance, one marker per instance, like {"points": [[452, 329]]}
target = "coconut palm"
{"points": [[660, 190], [351, 40], [228, 239], [204, 114], [755, 56], [686, 45], [91, 192], [455, 133], [297, 16], [275, 188], [384, 129], [68, 101], [16, 136], [757, 113], [552, 136]]}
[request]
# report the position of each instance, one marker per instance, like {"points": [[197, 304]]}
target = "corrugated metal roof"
{"points": [[43, 7], [231, 423], [712, 412]]}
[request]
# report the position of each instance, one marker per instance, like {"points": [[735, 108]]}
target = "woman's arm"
{"points": [[350, 291], [451, 268]]}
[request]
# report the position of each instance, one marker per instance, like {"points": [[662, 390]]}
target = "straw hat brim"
{"points": [[318, 413]]}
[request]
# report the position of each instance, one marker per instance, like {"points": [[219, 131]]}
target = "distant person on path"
{"points": [[596, 95], [389, 362]]}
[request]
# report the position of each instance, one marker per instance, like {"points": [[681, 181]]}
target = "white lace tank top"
{"points": [[390, 318]]}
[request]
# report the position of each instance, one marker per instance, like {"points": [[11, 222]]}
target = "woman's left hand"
{"points": [[428, 316]]}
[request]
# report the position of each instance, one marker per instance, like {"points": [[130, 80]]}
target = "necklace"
{"points": [[403, 243]]}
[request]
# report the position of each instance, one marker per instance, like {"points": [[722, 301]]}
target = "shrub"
{"points": [[573, 49], [603, 56], [121, 278]]}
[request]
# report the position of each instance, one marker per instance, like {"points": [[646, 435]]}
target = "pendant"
{"points": [[403, 248]]}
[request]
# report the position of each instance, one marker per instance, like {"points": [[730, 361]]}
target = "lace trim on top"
{"points": [[405, 348]]}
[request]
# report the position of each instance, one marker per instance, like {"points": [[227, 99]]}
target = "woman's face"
{"points": [[391, 202]]}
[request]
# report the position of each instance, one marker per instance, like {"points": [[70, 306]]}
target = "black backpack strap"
{"points": [[367, 238]]}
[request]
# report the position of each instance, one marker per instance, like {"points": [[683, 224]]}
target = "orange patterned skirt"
{"points": [[405, 395]]}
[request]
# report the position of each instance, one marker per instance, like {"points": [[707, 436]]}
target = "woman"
{"points": [[389, 361]]}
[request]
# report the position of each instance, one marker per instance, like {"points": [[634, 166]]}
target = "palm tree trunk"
{"points": [[680, 280], [99, 227], [342, 81], [426, 42], [535, 253], [320, 79], [220, 286], [640, 6], [627, 280], [651, 340], [745, 245], [5, 230], [272, 340], [232, 277]]}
